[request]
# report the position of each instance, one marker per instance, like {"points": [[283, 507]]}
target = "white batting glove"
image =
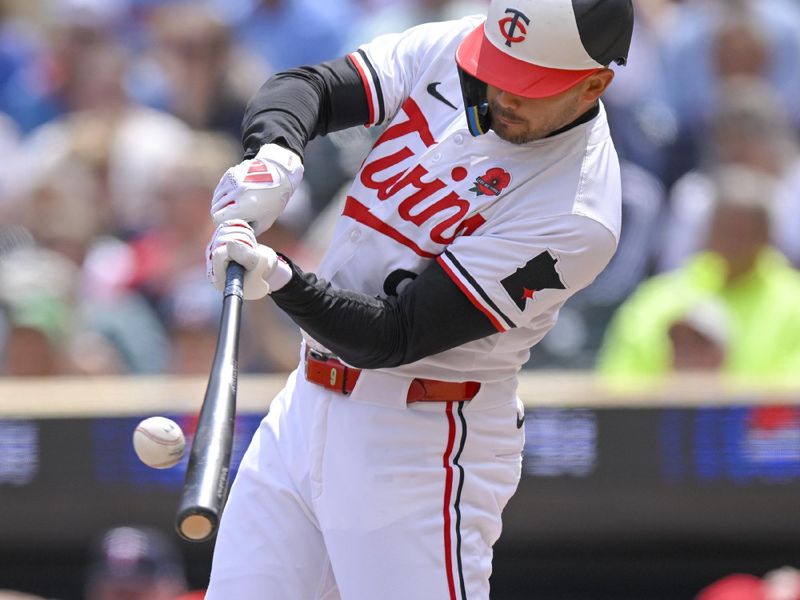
{"points": [[257, 190], [235, 241]]}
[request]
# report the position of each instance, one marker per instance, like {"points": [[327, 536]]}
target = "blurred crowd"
{"points": [[117, 118]]}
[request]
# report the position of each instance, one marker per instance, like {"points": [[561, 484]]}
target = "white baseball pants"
{"points": [[343, 497]]}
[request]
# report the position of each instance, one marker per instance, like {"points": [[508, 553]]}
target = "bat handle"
{"points": [[234, 280]]}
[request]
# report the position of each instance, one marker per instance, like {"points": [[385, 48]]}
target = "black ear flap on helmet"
{"points": [[475, 103]]}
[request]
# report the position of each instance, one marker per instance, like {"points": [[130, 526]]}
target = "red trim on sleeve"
{"points": [[469, 295], [367, 87]]}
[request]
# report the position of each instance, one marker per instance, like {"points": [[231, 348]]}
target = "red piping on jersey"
{"points": [[448, 488], [367, 86], [355, 210], [469, 295]]}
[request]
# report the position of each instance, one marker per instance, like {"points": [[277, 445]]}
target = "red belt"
{"points": [[332, 374]]}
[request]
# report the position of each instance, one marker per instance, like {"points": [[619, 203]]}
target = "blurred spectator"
{"points": [[111, 328], [124, 145], [64, 209], [26, 89], [35, 332], [714, 40], [741, 270], [47, 57], [174, 244], [750, 129], [735, 587], [783, 584], [271, 29], [10, 139], [780, 584], [86, 60], [54, 327], [135, 563], [192, 313], [167, 259], [112, 313], [36, 295], [392, 17], [643, 124], [786, 219], [574, 341], [194, 71], [699, 337]]}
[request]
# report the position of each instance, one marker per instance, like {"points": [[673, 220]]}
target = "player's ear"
{"points": [[596, 84]]}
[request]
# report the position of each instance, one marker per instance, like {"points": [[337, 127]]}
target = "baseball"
{"points": [[159, 442]]}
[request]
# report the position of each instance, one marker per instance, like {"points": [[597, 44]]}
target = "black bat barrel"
{"points": [[206, 487]]}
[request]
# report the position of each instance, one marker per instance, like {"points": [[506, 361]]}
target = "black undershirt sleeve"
{"points": [[430, 315], [295, 106]]}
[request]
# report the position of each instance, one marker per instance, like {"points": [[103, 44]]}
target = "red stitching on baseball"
{"points": [[158, 440], [165, 464]]}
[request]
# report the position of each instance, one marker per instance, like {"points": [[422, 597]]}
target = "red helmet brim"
{"points": [[483, 60]]}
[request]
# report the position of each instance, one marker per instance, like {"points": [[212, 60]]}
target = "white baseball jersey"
{"points": [[519, 228]]}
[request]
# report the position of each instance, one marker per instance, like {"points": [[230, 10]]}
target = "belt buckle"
{"points": [[316, 354]]}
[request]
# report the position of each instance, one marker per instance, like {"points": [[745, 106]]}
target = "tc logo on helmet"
{"points": [[510, 25]]}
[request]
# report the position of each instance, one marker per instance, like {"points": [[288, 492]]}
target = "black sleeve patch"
{"points": [[539, 273]]}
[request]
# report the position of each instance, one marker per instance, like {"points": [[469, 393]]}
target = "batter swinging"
{"points": [[491, 197]]}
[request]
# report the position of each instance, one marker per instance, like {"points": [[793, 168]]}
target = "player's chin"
{"points": [[514, 134]]}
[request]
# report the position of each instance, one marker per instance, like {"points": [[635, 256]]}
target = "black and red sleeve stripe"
{"points": [[372, 86], [474, 292], [297, 105]]}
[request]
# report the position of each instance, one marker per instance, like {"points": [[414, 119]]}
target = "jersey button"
{"points": [[436, 157], [458, 138], [354, 235]]}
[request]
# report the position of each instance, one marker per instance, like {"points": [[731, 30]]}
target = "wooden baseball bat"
{"points": [[206, 487]]}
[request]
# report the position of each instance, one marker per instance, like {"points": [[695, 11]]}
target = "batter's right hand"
{"points": [[257, 190], [235, 241]]}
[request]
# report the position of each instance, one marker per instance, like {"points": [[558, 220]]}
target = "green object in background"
{"points": [[44, 313], [763, 307]]}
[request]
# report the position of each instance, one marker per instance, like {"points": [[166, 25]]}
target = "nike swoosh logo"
{"points": [[520, 420], [435, 93]]}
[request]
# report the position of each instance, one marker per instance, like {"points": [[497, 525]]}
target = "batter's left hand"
{"points": [[258, 189], [236, 241]]}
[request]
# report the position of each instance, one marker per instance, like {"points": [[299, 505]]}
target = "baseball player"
{"points": [[493, 194]]}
